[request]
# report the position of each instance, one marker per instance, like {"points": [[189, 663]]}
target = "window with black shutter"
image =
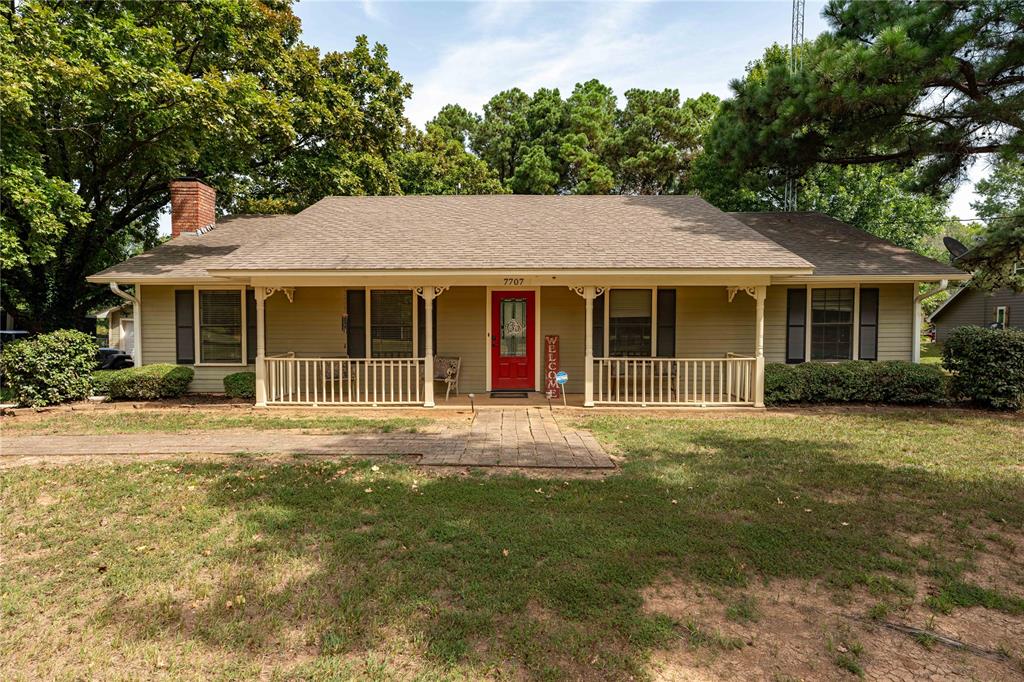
{"points": [[184, 327], [356, 308], [832, 324], [666, 323], [868, 324], [629, 323], [220, 326], [599, 326], [796, 324], [421, 327]]}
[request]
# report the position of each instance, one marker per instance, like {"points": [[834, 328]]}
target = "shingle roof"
{"points": [[837, 249], [514, 231], [188, 256]]}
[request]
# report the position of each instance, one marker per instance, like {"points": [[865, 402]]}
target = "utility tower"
{"points": [[796, 39]]}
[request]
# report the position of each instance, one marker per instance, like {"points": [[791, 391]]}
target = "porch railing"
{"points": [[344, 381], [674, 381]]}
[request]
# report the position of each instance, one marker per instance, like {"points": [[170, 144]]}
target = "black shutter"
{"points": [[356, 307], [421, 327], [796, 324], [184, 327], [666, 323], [250, 326], [599, 325], [868, 324]]}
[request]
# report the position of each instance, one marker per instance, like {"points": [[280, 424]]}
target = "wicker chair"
{"points": [[446, 369]]}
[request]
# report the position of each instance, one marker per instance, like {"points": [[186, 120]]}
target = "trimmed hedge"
{"points": [[240, 385], [987, 366], [50, 368], [892, 382], [149, 382]]}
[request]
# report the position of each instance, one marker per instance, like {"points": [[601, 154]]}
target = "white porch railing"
{"points": [[344, 381], [675, 381]]}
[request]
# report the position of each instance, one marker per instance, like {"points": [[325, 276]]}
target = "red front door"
{"points": [[512, 315]]}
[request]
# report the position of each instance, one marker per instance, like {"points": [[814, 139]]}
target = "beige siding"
{"points": [[709, 326], [563, 313], [158, 339], [461, 331], [895, 321], [309, 325], [895, 325]]}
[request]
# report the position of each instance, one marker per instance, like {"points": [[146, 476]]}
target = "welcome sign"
{"points": [[552, 387]]}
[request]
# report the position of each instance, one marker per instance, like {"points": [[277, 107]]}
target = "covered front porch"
{"points": [[622, 344]]}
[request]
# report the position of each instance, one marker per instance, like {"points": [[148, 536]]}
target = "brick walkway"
{"points": [[502, 438]]}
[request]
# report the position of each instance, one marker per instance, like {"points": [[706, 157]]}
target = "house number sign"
{"points": [[513, 281]]}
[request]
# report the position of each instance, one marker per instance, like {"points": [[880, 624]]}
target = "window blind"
{"points": [[220, 326], [391, 324]]}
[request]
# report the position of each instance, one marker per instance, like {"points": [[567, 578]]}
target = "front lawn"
{"points": [[374, 569], [125, 420]]}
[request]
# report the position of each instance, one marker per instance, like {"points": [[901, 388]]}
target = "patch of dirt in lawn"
{"points": [[799, 632]]}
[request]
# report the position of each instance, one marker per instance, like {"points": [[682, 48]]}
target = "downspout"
{"points": [[918, 298], [136, 317]]}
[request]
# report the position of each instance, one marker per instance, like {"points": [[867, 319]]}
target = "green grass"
{"points": [[320, 570], [931, 352], [171, 421]]}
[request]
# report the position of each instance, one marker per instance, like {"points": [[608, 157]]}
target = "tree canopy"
{"points": [[104, 103]]}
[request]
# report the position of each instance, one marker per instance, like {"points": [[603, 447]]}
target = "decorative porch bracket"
{"points": [[263, 293], [750, 291], [428, 294]]}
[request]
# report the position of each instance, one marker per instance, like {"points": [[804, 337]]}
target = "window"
{"points": [[220, 326], [796, 324], [184, 327], [629, 323], [391, 324], [832, 324], [868, 324], [1001, 317]]}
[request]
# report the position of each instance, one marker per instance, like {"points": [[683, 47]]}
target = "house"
{"points": [[120, 327], [654, 300], [971, 306]]}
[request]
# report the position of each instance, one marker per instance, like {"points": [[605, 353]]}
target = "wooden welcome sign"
{"points": [[552, 387]]}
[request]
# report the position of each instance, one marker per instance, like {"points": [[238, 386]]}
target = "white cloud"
{"points": [[371, 9], [605, 41]]}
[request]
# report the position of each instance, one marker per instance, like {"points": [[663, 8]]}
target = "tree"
{"points": [[587, 145], [504, 132], [435, 162], [104, 103], [879, 198], [998, 256], [927, 83], [456, 123], [657, 140]]}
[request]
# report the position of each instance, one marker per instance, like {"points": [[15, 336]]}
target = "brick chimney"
{"points": [[193, 206]]}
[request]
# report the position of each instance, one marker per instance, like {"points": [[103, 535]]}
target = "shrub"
{"points": [[987, 366], [50, 368], [101, 381], [854, 382], [149, 382], [240, 385]]}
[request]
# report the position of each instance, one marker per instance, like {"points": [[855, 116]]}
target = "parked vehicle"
{"points": [[8, 335], [113, 358]]}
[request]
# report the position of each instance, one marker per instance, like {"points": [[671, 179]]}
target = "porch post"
{"points": [[260, 294], [759, 296], [915, 329], [428, 346], [588, 344]]}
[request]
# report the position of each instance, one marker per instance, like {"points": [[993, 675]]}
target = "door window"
{"points": [[513, 327]]}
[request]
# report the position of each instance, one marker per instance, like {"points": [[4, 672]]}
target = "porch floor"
{"points": [[494, 438]]}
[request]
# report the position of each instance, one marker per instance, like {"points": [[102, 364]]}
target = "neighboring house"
{"points": [[974, 307], [655, 300], [120, 327]]}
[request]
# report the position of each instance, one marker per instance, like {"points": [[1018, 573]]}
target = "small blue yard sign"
{"points": [[562, 377]]}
